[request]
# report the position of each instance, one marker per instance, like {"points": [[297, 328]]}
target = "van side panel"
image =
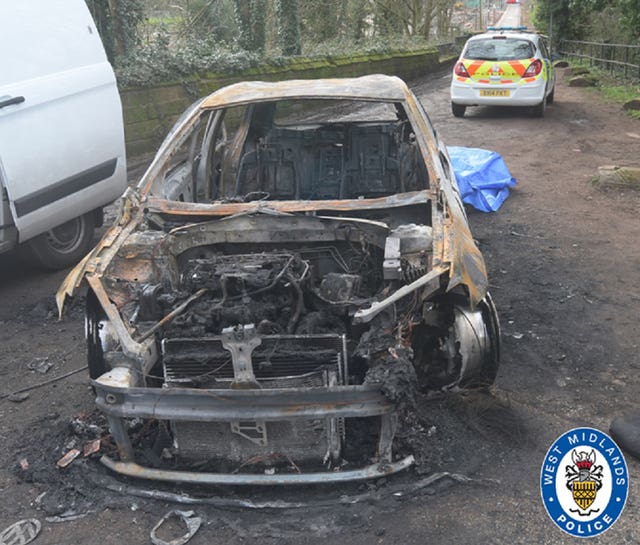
{"points": [[62, 148], [41, 37]]}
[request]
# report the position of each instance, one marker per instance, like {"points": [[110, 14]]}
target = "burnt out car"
{"points": [[292, 270]]}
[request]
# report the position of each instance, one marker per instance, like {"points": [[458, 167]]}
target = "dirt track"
{"points": [[563, 260]]}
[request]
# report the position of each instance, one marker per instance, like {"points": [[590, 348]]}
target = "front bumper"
{"points": [[118, 402], [521, 94]]}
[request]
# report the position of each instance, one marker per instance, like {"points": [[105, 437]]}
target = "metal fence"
{"points": [[619, 59]]}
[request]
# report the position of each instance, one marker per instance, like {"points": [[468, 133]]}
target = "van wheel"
{"points": [[458, 110], [66, 244]]}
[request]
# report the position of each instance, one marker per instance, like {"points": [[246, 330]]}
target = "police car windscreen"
{"points": [[493, 49]]}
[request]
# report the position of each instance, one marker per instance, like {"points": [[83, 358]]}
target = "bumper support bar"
{"points": [[131, 469]]}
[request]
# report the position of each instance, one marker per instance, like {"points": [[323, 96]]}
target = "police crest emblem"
{"points": [[584, 479]]}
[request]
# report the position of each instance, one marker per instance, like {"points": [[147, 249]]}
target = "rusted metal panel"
{"points": [[191, 404], [375, 88], [220, 209]]}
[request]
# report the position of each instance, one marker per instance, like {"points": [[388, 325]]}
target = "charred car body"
{"points": [[293, 266]]}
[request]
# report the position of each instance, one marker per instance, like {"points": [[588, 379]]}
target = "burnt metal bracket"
{"points": [[391, 268], [388, 426], [241, 341], [254, 431], [121, 437]]}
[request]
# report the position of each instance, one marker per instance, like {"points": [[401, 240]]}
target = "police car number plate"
{"points": [[494, 92]]}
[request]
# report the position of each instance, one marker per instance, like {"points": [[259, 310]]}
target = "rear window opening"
{"points": [[298, 150], [499, 48]]}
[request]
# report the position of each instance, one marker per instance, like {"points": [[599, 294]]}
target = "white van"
{"points": [[62, 154]]}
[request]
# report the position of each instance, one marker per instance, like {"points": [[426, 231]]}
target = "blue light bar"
{"points": [[507, 28]]}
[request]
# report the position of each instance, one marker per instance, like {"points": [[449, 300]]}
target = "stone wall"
{"points": [[150, 112]]}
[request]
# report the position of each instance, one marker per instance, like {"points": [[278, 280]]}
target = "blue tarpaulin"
{"points": [[482, 176]]}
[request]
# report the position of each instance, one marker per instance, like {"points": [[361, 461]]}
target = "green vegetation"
{"points": [[621, 94], [610, 20], [289, 27], [612, 88], [118, 22], [158, 63], [152, 41], [610, 27]]}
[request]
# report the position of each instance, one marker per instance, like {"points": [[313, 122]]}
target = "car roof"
{"points": [[373, 87]]}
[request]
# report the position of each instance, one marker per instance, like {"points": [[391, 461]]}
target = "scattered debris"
{"points": [[38, 501], [14, 395], [24, 464], [40, 365], [189, 519], [68, 458], [67, 516], [83, 427], [18, 398], [522, 235], [91, 448], [21, 532]]}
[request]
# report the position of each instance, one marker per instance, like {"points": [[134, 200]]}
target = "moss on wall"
{"points": [[150, 112]]}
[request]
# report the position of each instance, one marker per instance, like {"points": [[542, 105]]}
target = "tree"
{"points": [[413, 17], [356, 18], [214, 19], [630, 10], [288, 26], [117, 21], [577, 19], [321, 21], [251, 21]]}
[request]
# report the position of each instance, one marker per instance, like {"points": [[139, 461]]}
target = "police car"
{"points": [[503, 67]]}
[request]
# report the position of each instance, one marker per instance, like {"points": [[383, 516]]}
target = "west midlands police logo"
{"points": [[584, 482]]}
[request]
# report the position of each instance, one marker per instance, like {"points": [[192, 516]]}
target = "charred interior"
{"points": [[249, 153]]}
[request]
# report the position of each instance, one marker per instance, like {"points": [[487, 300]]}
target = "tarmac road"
{"points": [[510, 17]]}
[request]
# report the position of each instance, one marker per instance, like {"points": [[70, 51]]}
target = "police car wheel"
{"points": [[539, 109], [458, 110], [66, 244], [550, 96]]}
